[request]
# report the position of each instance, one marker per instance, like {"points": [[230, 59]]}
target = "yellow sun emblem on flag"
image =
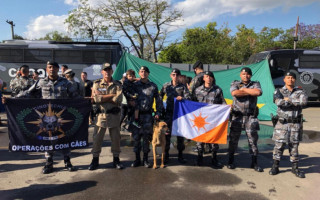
{"points": [[50, 122], [199, 121]]}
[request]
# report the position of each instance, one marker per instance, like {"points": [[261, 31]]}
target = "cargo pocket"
{"points": [[255, 124]]}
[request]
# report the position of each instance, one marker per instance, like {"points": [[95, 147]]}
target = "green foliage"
{"points": [[87, 22], [56, 36], [171, 53], [212, 45], [18, 37]]}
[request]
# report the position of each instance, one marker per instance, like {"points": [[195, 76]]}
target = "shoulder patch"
{"points": [[236, 82], [97, 81]]}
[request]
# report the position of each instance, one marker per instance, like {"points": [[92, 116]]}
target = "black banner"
{"points": [[47, 124]]}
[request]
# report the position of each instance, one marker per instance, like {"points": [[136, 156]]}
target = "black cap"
{"points": [[145, 69], [198, 64], [65, 66], [247, 69], [55, 64], [106, 66], [177, 71], [24, 66], [209, 74], [290, 74]]}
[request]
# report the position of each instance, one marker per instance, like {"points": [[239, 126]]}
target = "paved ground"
{"points": [[21, 178]]}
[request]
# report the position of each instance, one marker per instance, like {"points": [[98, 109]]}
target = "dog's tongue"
{"points": [[167, 133]]}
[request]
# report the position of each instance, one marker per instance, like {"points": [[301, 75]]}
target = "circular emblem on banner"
{"points": [[306, 77], [46, 123]]}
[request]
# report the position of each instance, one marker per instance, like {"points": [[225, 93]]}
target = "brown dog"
{"points": [[159, 139]]}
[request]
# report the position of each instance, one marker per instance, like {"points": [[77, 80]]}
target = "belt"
{"points": [[238, 114], [289, 120]]}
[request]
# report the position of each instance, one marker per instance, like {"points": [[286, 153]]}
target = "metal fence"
{"points": [[206, 67]]}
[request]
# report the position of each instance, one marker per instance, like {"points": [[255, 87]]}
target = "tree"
{"points": [[171, 54], [209, 44], [56, 36], [18, 37], [139, 20], [87, 22], [269, 38], [309, 36], [245, 42], [217, 46]]}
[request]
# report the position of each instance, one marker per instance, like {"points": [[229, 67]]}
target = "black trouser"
{"points": [[124, 112]]}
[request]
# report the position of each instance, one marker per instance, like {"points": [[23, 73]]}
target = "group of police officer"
{"points": [[107, 95]]}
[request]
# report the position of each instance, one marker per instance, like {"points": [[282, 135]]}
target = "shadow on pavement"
{"points": [[43, 191], [143, 183]]}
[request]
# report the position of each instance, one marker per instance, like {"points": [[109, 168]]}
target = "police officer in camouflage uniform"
{"points": [[198, 79], [211, 94], [195, 83], [107, 94], [21, 82], [244, 116], [147, 92], [69, 75], [173, 89], [290, 101], [52, 87]]}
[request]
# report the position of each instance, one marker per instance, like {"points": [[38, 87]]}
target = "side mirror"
{"points": [[271, 63]]}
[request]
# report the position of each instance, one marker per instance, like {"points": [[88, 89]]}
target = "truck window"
{"points": [[310, 61]]}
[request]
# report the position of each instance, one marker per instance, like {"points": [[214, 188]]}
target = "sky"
{"points": [[34, 18]]}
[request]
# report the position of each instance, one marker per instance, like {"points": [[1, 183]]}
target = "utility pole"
{"points": [[12, 25], [295, 38]]}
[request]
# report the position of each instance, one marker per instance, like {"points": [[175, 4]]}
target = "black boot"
{"points": [[68, 165], [275, 168], [137, 161], [48, 167], [215, 163], [94, 163], [181, 160], [254, 164], [231, 164], [116, 163], [145, 161], [166, 157], [296, 170], [199, 161]]}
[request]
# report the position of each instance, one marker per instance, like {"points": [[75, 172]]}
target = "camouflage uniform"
{"points": [[48, 89], [195, 83], [107, 118], [147, 92], [213, 95], [172, 92], [77, 89], [288, 126], [244, 117], [20, 84]]}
